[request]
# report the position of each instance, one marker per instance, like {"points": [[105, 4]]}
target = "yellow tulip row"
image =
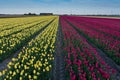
{"points": [[8, 23], [21, 26], [12, 43], [34, 62]]}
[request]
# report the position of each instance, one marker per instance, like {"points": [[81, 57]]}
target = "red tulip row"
{"points": [[105, 36], [82, 61]]}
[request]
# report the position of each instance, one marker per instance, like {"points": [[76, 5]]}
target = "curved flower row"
{"points": [[34, 62], [104, 37], [82, 60], [12, 43]]}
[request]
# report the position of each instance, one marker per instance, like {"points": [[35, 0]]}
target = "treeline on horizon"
{"points": [[34, 14]]}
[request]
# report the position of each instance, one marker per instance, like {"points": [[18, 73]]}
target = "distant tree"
{"points": [[30, 14], [46, 13]]}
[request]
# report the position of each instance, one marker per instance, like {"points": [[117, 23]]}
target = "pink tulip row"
{"points": [[101, 34], [82, 60]]}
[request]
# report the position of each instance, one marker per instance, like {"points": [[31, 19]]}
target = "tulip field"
{"points": [[59, 48]]}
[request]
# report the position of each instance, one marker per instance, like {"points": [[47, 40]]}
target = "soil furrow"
{"points": [[58, 70]]}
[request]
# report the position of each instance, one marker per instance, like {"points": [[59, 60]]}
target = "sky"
{"points": [[60, 6]]}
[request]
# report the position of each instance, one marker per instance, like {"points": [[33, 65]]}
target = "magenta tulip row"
{"points": [[104, 33], [82, 61]]}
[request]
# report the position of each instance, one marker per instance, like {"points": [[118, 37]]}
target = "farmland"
{"points": [[59, 48]]}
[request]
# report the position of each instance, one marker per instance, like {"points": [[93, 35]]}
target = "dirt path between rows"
{"points": [[58, 69], [108, 60], [3, 64]]}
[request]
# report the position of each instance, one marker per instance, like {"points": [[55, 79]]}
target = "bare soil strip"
{"points": [[108, 60], [3, 64], [58, 69]]}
